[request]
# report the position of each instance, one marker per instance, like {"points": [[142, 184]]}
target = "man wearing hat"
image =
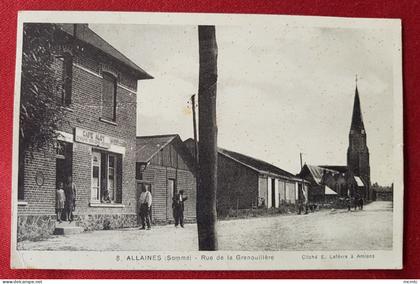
{"points": [[178, 208]]}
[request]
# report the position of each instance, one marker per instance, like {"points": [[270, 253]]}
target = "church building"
{"points": [[334, 181], [358, 152]]}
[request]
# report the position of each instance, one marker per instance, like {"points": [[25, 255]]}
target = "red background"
{"points": [[407, 10]]}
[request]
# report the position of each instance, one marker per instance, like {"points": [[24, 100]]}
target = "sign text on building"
{"points": [[92, 138]]}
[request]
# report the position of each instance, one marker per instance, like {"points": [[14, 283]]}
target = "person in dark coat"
{"points": [[178, 208], [70, 203], [361, 203]]}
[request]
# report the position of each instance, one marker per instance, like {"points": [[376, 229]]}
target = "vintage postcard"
{"points": [[179, 141]]}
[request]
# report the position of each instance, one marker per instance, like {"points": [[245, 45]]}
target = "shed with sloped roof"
{"points": [[245, 182], [165, 166]]}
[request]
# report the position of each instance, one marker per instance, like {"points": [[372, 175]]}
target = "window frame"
{"points": [[114, 193], [67, 77], [113, 197], [105, 78]]}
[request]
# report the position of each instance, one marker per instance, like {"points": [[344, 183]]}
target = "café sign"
{"points": [[92, 138]]}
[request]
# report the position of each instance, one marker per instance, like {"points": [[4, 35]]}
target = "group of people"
{"points": [[145, 201], [356, 201], [66, 200]]}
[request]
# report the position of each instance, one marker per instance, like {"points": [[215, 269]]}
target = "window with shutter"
{"points": [[109, 99], [67, 79]]}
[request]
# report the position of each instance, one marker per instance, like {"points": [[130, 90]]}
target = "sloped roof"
{"points": [[85, 34], [317, 172], [341, 169], [256, 164], [250, 162], [359, 181], [148, 146], [329, 191]]}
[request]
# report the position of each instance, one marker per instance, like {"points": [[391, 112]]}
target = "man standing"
{"points": [[178, 208], [70, 203], [145, 206]]}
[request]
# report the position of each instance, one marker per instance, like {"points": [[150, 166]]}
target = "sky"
{"points": [[282, 90]]}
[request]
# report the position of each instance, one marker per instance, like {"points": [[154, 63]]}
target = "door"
{"points": [[171, 195], [64, 153], [63, 166], [273, 193]]}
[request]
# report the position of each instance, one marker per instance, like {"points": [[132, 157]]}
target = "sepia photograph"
{"points": [[207, 141]]}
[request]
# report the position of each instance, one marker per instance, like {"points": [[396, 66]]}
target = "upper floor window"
{"points": [[67, 79], [109, 97]]}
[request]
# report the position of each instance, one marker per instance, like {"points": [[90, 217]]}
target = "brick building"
{"points": [[165, 166], [245, 182], [99, 96]]}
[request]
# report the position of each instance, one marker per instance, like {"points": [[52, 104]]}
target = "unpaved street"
{"points": [[323, 230]]}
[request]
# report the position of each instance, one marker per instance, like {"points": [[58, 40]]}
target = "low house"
{"points": [[165, 166], [330, 182], [244, 182]]}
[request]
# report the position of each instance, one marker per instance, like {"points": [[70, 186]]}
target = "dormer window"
{"points": [[109, 97]]}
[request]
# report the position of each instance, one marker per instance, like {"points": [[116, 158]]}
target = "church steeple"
{"points": [[357, 119], [358, 152]]}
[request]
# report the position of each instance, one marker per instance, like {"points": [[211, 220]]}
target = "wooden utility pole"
{"points": [[207, 179], [194, 129]]}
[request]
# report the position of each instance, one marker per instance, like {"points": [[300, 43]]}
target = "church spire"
{"points": [[357, 120], [358, 152]]}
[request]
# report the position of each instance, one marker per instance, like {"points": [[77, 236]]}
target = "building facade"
{"points": [[244, 182], [165, 166], [99, 95]]}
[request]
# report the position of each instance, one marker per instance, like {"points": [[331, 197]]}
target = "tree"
{"points": [[40, 114], [207, 180]]}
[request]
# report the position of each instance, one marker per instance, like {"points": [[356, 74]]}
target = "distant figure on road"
{"points": [[178, 208], [348, 200], [360, 203], [355, 202], [145, 206]]}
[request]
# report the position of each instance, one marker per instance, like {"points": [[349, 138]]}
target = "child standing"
{"points": [[61, 200]]}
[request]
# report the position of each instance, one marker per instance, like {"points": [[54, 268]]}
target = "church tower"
{"points": [[358, 152]]}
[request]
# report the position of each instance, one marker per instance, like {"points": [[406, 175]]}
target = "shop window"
{"points": [[67, 79], [109, 97], [106, 177]]}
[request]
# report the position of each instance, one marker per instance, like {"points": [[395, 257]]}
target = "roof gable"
{"points": [[317, 172], [255, 164], [83, 33], [247, 161], [148, 146]]}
